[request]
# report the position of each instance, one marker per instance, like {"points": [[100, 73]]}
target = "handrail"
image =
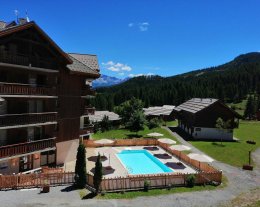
{"points": [[14, 145], [24, 114]]}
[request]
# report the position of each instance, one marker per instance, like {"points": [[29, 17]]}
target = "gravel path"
{"points": [[239, 182]]}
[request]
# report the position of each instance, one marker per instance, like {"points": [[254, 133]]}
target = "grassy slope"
{"points": [[240, 107], [233, 153]]}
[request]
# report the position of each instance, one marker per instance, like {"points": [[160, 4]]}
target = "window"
{"points": [[197, 129], [3, 165], [48, 158]]}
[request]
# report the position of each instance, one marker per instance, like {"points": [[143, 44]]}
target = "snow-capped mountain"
{"points": [[105, 81]]}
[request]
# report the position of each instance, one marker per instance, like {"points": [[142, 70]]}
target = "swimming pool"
{"points": [[141, 162]]}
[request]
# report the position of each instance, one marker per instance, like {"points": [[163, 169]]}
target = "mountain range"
{"points": [[229, 82], [105, 81]]}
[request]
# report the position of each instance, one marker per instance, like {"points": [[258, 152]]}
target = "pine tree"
{"points": [[98, 174], [80, 168], [250, 108]]}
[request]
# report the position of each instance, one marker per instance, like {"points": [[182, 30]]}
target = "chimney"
{"points": [[22, 20]]}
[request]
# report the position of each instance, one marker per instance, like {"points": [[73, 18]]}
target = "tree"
{"points": [[250, 108], [80, 168], [105, 124], [127, 109], [153, 123], [136, 122], [223, 126], [98, 174]]}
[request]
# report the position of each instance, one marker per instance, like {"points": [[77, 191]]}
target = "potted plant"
{"points": [[46, 187]]}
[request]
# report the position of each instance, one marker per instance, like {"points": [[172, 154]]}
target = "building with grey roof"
{"points": [[164, 112], [198, 117]]}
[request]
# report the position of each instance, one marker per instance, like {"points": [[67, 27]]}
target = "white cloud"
{"points": [[142, 26], [131, 24], [116, 67], [121, 74]]}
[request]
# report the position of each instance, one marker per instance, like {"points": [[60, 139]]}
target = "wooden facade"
{"points": [[196, 115], [42, 95]]}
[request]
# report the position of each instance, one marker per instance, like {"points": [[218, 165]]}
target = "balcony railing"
{"points": [[88, 91], [87, 130], [27, 147], [25, 119], [25, 60], [25, 89], [88, 110]]}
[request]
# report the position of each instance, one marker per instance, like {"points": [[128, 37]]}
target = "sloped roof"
{"points": [[158, 110], [195, 105], [81, 67], [13, 28], [89, 60], [99, 115]]}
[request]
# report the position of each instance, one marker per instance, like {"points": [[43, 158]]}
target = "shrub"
{"points": [[190, 180], [153, 123], [146, 185], [80, 168], [98, 174]]}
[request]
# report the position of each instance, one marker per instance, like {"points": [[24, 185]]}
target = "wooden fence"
{"points": [[35, 180], [156, 181]]}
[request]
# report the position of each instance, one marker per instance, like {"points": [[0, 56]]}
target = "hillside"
{"points": [[230, 82]]}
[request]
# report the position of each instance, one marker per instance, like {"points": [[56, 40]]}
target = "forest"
{"points": [[230, 82]]}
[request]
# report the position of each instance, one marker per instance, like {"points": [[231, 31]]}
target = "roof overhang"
{"points": [[32, 24]]}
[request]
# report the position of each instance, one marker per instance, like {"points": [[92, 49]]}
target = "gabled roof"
{"points": [[19, 27], [195, 105], [80, 66]]}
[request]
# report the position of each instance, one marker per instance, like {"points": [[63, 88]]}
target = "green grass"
{"points": [[233, 153], [124, 133], [172, 123], [240, 107], [156, 192]]}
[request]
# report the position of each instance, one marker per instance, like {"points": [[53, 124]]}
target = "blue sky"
{"points": [[164, 37]]}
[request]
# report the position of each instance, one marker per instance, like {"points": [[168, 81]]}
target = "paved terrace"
{"points": [[116, 164]]}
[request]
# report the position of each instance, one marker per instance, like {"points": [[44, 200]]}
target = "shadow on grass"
{"points": [[218, 144], [89, 196], [68, 189], [133, 136]]}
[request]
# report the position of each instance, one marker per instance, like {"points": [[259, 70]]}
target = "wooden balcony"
{"points": [[26, 60], [25, 89], [88, 110], [88, 91], [27, 147], [27, 119], [87, 130]]}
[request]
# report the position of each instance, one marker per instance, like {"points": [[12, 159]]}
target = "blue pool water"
{"points": [[141, 162]]}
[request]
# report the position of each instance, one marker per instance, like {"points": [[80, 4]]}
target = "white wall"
{"points": [[66, 151], [212, 133]]}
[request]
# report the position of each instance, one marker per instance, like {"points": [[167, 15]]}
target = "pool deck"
{"points": [[115, 163]]}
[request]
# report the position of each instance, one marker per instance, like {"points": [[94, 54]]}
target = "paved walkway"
{"points": [[239, 182]]}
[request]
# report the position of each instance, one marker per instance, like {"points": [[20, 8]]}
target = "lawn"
{"points": [[233, 153], [124, 133], [240, 107]]}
